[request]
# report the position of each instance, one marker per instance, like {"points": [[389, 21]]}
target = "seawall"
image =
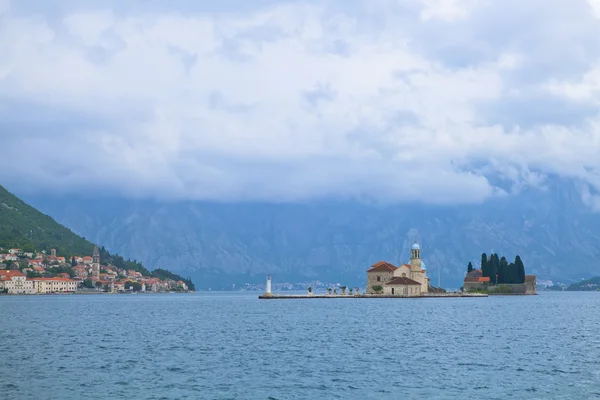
{"points": [[371, 296]]}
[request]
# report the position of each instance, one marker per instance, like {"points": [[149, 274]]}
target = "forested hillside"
{"points": [[24, 227]]}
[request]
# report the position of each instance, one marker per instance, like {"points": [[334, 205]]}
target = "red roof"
{"points": [[382, 266], [403, 281], [53, 279], [11, 272]]}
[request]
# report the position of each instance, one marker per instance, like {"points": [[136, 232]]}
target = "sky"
{"points": [[403, 100]]}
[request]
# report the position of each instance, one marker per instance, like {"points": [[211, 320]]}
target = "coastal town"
{"points": [[33, 272]]}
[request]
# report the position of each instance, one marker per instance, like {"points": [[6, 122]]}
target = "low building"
{"points": [[15, 282], [402, 287], [475, 281], [54, 285]]}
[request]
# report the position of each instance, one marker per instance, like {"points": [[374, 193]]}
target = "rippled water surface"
{"points": [[234, 346]]}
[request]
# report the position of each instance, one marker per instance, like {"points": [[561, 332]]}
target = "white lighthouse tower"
{"points": [[268, 290]]}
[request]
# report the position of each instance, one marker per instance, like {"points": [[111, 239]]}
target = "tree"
{"points": [[328, 290], [377, 288], [484, 262], [23, 264], [503, 271], [28, 248], [88, 283], [520, 270], [135, 285], [73, 262], [492, 266], [32, 274], [469, 267]]}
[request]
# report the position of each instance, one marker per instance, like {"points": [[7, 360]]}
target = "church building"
{"points": [[405, 280]]}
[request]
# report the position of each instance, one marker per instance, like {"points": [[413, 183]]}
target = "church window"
{"points": [[378, 279]]}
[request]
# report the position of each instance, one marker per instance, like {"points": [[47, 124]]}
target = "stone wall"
{"points": [[518, 288]]}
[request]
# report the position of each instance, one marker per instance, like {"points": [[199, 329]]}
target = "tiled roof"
{"points": [[11, 272], [476, 279], [403, 281], [382, 266], [53, 279]]}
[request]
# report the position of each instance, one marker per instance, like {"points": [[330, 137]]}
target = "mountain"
{"points": [[218, 244], [22, 226], [588, 285]]}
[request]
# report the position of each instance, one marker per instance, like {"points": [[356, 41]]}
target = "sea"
{"points": [[210, 345]]}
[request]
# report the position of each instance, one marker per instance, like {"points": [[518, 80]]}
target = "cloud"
{"points": [[394, 100]]}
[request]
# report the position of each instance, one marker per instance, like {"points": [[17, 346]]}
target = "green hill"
{"points": [[24, 227], [588, 285]]}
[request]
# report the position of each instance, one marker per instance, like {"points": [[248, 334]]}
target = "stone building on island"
{"points": [[406, 280]]}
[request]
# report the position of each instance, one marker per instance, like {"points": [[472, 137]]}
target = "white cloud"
{"points": [[4, 6], [446, 10], [595, 6], [296, 100]]}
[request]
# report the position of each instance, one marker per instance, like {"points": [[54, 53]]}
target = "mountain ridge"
{"points": [[223, 243]]}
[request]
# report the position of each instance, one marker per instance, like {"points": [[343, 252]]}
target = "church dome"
{"points": [[416, 246]]}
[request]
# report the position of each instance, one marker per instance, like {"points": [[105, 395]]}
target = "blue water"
{"points": [[234, 346]]}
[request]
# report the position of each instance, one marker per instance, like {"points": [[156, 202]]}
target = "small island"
{"points": [[385, 280], [498, 276]]}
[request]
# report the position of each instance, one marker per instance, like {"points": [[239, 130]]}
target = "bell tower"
{"points": [[415, 257], [96, 263]]}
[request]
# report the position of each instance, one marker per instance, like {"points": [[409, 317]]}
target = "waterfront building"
{"points": [[15, 282], [54, 285], [406, 280]]}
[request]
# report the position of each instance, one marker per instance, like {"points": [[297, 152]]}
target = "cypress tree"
{"points": [[73, 262], [493, 266], [520, 270], [469, 267], [503, 271], [484, 262]]}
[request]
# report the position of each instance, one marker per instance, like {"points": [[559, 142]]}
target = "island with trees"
{"points": [[497, 275]]}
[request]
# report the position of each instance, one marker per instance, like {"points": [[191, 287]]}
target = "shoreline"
{"points": [[86, 293], [372, 296]]}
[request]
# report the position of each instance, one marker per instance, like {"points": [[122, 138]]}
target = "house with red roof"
{"points": [[15, 282]]}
